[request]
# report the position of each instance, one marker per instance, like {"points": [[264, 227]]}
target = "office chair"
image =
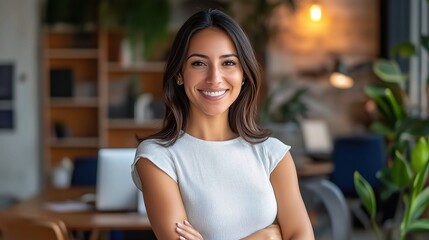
{"points": [[323, 194], [36, 229], [365, 154]]}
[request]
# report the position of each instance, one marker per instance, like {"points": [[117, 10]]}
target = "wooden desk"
{"points": [[77, 221], [309, 168]]}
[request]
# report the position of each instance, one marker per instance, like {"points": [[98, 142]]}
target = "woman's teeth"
{"points": [[214, 94]]}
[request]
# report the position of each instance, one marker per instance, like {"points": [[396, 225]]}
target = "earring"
{"points": [[242, 83], [179, 80]]}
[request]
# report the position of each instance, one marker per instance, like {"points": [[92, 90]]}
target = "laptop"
{"points": [[115, 190], [317, 139]]}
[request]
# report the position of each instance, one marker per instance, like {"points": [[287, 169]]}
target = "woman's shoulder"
{"points": [[272, 142]]}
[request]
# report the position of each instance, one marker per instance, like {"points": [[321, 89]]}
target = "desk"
{"points": [[309, 168], [77, 221]]}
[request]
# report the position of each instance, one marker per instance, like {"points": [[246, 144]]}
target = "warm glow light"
{"points": [[340, 80], [315, 12]]}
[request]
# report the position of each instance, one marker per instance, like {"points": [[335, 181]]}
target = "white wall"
{"points": [[19, 148]]}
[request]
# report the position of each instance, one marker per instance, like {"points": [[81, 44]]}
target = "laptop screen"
{"points": [[115, 190]]}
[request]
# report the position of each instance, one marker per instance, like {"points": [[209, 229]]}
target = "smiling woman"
{"points": [[211, 164]]}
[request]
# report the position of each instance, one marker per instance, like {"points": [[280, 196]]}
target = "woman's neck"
{"points": [[210, 128]]}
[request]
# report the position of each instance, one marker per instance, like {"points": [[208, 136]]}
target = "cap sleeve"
{"points": [[158, 155], [275, 150]]}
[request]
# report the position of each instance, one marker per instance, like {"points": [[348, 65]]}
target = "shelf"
{"points": [[143, 67], [78, 142], [132, 124], [72, 53], [73, 102]]}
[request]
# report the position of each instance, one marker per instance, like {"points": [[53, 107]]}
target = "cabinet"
{"points": [[88, 95]]}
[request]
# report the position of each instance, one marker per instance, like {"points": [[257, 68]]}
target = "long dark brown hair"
{"points": [[243, 112]]}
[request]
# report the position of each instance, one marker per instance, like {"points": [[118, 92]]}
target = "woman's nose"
{"points": [[214, 76]]}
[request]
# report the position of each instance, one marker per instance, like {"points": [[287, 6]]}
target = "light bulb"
{"points": [[315, 12], [340, 80]]}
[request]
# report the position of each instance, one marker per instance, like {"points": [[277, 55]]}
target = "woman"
{"points": [[211, 165]]}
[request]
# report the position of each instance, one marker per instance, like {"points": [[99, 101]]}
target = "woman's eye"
{"points": [[198, 64], [229, 63]]}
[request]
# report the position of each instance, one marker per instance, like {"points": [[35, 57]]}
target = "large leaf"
{"points": [[401, 171], [394, 104], [419, 225], [366, 194], [389, 71], [419, 155], [419, 204], [420, 181]]}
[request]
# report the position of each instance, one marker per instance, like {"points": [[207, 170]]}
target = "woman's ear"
{"points": [[179, 79]]}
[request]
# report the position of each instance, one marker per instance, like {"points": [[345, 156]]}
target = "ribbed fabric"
{"points": [[225, 185]]}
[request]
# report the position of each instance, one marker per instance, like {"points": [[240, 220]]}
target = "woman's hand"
{"points": [[271, 232], [187, 232]]}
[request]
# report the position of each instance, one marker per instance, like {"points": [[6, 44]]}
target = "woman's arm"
{"points": [[292, 215], [162, 199]]}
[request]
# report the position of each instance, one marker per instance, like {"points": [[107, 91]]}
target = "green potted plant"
{"points": [[144, 22], [408, 176], [408, 146], [286, 110]]}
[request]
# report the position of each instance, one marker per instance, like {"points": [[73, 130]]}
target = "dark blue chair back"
{"points": [[84, 172], [363, 153]]}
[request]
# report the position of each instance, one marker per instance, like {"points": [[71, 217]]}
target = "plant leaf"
{"points": [[401, 171], [419, 225], [389, 71], [420, 180], [365, 193], [403, 50], [419, 155], [384, 176], [378, 95], [382, 128], [397, 108], [419, 204]]}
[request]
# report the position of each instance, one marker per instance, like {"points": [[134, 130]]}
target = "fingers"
{"points": [[187, 232]]}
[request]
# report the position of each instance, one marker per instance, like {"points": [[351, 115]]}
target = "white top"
{"points": [[225, 185]]}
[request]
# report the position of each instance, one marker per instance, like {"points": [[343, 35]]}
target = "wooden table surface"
{"points": [[81, 220]]}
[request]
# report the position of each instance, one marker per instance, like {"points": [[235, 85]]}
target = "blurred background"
{"points": [[77, 76]]}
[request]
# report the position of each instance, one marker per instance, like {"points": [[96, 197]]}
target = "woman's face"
{"points": [[212, 74]]}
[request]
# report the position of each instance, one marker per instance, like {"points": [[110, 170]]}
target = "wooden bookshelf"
{"points": [[81, 123]]}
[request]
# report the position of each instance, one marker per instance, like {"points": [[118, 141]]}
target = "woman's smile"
{"points": [[213, 94]]}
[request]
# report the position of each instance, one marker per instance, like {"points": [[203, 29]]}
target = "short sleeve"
{"points": [[158, 155], [275, 150]]}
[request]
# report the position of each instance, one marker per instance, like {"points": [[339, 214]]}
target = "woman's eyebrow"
{"points": [[197, 55], [206, 57]]}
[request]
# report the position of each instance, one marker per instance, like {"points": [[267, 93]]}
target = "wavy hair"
{"points": [[242, 113]]}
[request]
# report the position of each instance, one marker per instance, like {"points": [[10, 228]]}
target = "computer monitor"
{"points": [[317, 139], [115, 190]]}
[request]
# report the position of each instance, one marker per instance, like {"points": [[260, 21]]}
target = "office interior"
{"points": [[72, 82]]}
